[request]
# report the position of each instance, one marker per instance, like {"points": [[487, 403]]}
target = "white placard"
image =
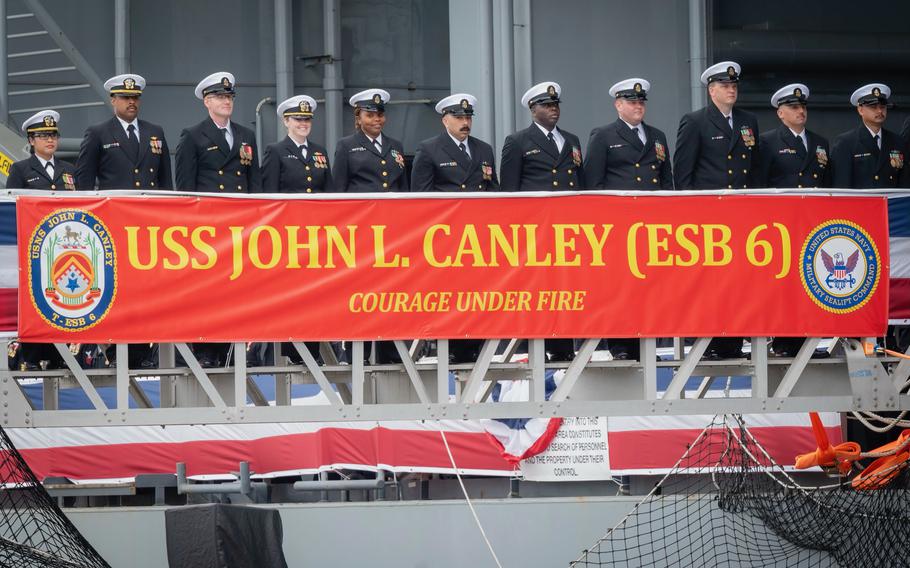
{"points": [[579, 452]]}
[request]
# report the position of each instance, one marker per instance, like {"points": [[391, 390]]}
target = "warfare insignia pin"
{"points": [[72, 278], [840, 266]]}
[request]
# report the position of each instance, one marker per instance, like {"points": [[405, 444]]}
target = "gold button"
{"points": [[309, 178], [876, 177], [653, 180], [308, 190], [800, 174], [480, 186], [745, 186], [136, 171], [729, 187], [569, 172], [555, 184], [571, 184], [385, 184], [308, 168], [890, 177], [385, 174], [799, 186], [815, 176], [729, 157], [744, 156], [238, 173], [220, 186], [152, 170], [554, 171], [729, 171], [653, 167], [240, 187], [462, 186], [637, 165], [382, 162], [745, 171], [53, 186], [637, 178], [153, 184], [137, 184], [220, 172]]}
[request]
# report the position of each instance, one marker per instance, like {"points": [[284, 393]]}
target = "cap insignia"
{"points": [[48, 121], [464, 103], [551, 90], [731, 71], [637, 87], [876, 92], [225, 82], [129, 83], [304, 106], [377, 99], [797, 92]]}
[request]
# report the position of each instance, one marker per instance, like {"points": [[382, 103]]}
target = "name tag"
{"points": [[448, 164], [864, 155], [532, 152], [786, 151], [721, 137], [210, 148], [358, 149], [111, 145], [30, 180], [291, 157], [614, 146]]}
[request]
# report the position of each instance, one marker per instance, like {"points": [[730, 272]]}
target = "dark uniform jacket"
{"points": [[104, 155], [618, 160], [28, 174], [359, 167], [284, 170], [711, 156], [530, 162], [440, 165], [784, 162], [205, 163], [859, 164]]}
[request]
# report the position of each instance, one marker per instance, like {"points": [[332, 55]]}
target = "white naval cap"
{"points": [[126, 85], [723, 72], [634, 88], [301, 105], [546, 92], [792, 94], [873, 93], [370, 99], [220, 82], [459, 104], [41, 121]]}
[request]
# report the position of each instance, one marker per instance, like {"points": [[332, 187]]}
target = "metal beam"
{"points": [[284, 56], [80, 375], [317, 373], [121, 36], [332, 79], [200, 375], [678, 383], [4, 88]]}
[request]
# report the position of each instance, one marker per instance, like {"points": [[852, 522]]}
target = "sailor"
{"points": [[42, 170], [454, 160], [717, 148], [792, 155], [296, 165], [544, 157], [124, 152], [870, 156], [219, 156], [368, 160], [628, 153]]}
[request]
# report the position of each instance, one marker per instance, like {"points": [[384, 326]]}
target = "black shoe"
{"points": [[725, 355], [28, 367], [207, 362], [622, 356], [562, 356], [148, 364], [784, 353], [460, 358], [820, 354]]}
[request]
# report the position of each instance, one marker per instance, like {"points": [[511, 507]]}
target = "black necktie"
{"points": [[134, 141], [800, 146], [553, 141], [377, 145], [876, 140], [463, 148], [50, 170], [303, 151]]}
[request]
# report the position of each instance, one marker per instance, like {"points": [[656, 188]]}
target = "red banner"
{"points": [[116, 269]]}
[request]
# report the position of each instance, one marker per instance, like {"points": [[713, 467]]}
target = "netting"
{"points": [[726, 503], [34, 532]]}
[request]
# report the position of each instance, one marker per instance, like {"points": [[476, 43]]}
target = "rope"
{"points": [[483, 533]]}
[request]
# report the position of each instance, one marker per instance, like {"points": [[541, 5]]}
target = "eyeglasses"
{"points": [[222, 96], [46, 135]]}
